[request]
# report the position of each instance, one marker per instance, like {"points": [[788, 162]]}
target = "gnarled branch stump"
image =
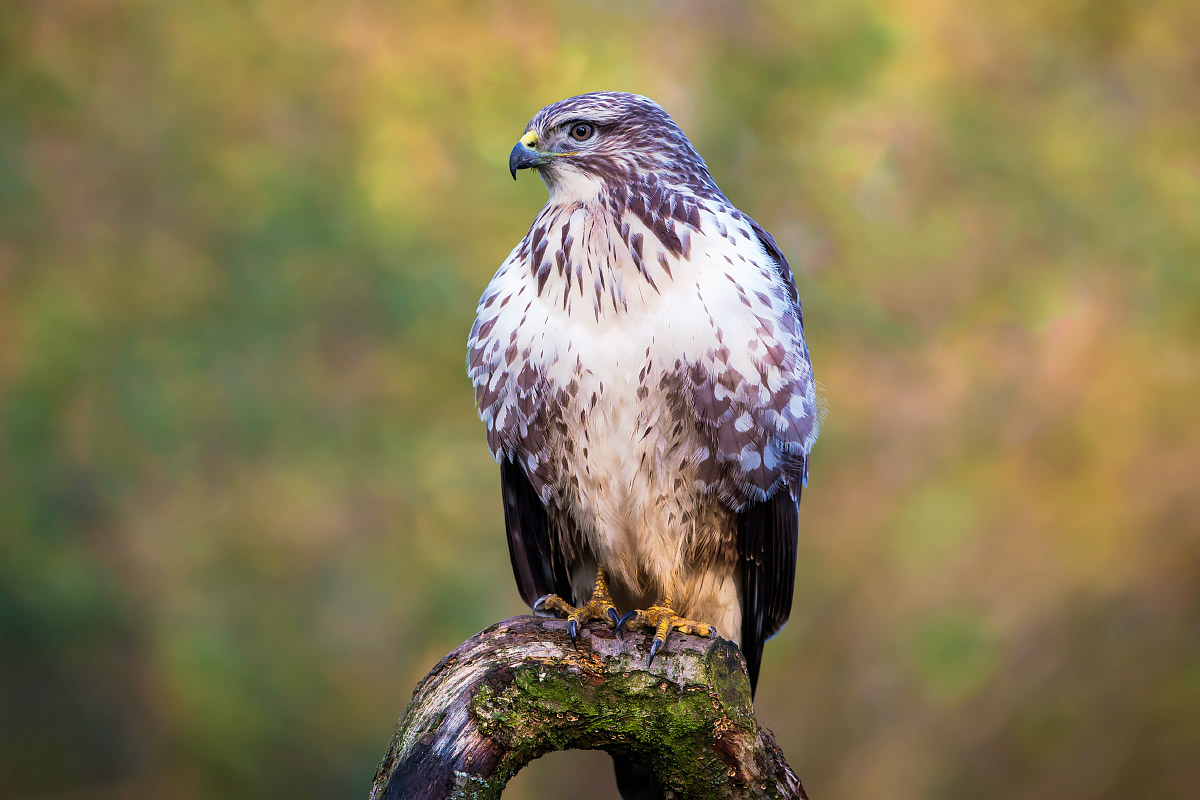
{"points": [[519, 690]]}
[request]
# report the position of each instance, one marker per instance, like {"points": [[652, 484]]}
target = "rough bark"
{"points": [[519, 690]]}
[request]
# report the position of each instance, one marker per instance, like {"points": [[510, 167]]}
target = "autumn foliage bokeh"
{"points": [[245, 501]]}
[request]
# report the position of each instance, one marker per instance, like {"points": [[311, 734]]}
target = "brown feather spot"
{"points": [[484, 328], [527, 378]]}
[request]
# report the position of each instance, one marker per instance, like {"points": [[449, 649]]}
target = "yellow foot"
{"points": [[663, 619], [599, 608]]}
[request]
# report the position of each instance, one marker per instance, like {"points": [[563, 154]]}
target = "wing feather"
{"points": [[781, 263], [538, 564], [767, 539], [768, 530]]}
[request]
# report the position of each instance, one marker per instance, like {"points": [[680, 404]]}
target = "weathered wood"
{"points": [[519, 690]]}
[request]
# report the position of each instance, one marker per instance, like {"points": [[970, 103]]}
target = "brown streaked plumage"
{"points": [[640, 364]]}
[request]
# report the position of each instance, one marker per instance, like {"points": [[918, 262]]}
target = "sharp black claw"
{"points": [[573, 629], [621, 622], [616, 619], [654, 648]]}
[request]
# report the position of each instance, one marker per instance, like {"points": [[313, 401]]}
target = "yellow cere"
{"points": [[529, 139]]}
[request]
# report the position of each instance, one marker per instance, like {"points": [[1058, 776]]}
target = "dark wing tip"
{"points": [[537, 564], [767, 540]]}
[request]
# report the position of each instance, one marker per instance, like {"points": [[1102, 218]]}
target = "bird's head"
{"points": [[586, 144]]}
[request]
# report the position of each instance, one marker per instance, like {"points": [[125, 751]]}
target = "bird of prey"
{"points": [[640, 364]]}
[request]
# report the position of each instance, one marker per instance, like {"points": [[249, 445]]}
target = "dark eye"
{"points": [[582, 131]]}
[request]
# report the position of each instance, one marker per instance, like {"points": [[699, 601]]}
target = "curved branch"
{"points": [[519, 690]]}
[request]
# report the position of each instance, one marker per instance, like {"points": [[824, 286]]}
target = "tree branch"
{"points": [[519, 690]]}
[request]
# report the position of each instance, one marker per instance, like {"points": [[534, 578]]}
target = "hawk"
{"points": [[640, 364]]}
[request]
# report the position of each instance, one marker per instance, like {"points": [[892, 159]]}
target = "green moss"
{"points": [[544, 709], [726, 671]]}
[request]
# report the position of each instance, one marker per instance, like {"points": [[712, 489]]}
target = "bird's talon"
{"points": [[598, 609], [655, 646], [662, 620], [616, 621]]}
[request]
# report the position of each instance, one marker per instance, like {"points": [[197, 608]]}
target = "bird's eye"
{"points": [[582, 131]]}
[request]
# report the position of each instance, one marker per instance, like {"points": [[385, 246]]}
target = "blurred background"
{"points": [[245, 502]]}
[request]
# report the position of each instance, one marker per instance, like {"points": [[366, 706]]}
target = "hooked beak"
{"points": [[523, 156]]}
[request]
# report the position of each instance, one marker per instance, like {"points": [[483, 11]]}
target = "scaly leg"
{"points": [[600, 607], [663, 619]]}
